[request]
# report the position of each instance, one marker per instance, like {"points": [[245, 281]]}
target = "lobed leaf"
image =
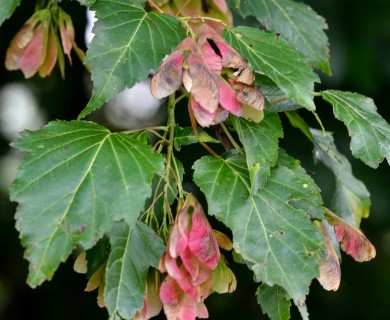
{"points": [[77, 179], [278, 241], [296, 22], [129, 42], [369, 132], [260, 141], [274, 301], [271, 55], [133, 250], [7, 8], [351, 199]]}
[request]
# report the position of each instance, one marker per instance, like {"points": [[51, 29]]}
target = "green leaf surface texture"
{"points": [[296, 22], [77, 179], [276, 99], [86, 2], [298, 122], [261, 144], [97, 256], [129, 42], [133, 251], [277, 241], [351, 199], [7, 8], [186, 136], [274, 301], [272, 56], [369, 132]]}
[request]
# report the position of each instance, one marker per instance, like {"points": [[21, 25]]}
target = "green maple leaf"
{"points": [[271, 55], [351, 199], [129, 42], [369, 132], [275, 238], [7, 8], [296, 22], [133, 251], [274, 301], [77, 179], [260, 141]]}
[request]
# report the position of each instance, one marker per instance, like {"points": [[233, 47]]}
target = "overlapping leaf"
{"points": [[369, 132], [7, 8], [86, 2], [296, 22], [277, 240], [260, 141], [133, 251], [274, 301], [97, 256], [186, 136], [351, 198], [274, 57], [77, 179], [275, 98], [128, 43]]}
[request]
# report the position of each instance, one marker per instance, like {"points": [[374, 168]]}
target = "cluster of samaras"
{"points": [[217, 77]]}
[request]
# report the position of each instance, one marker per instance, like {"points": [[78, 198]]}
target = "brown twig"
{"points": [[182, 7], [155, 6]]}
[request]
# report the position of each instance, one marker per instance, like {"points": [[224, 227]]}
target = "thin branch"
{"points": [[182, 7], [155, 6]]}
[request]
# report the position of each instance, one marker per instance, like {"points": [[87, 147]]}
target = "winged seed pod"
{"points": [[330, 271], [191, 258], [352, 240], [36, 47], [152, 304], [216, 9], [217, 77]]}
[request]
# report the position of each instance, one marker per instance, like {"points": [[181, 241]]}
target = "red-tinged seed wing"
{"points": [[352, 240], [249, 95], [330, 271], [168, 79], [232, 59], [204, 87], [245, 75], [228, 97]]}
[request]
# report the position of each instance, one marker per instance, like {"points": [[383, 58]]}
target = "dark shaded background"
{"points": [[359, 33]]}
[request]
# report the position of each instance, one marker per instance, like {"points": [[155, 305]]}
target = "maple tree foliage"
{"points": [[147, 243]]}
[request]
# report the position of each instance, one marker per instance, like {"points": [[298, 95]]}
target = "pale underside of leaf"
{"points": [[297, 23], [369, 132], [351, 199], [77, 179], [272, 56], [129, 42]]}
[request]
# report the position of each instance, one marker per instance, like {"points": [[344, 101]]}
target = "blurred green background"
{"points": [[359, 34]]}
